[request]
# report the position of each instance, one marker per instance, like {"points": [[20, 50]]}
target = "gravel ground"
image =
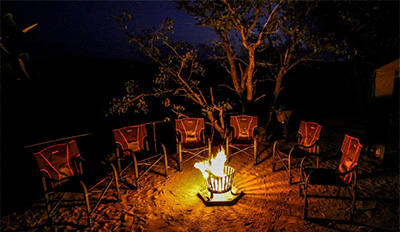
{"points": [[269, 202]]}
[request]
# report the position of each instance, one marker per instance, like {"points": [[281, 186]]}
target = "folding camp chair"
{"points": [[191, 139], [133, 149], [242, 136], [344, 176], [307, 145], [62, 171]]}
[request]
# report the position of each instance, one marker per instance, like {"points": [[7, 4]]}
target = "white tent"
{"points": [[384, 79]]}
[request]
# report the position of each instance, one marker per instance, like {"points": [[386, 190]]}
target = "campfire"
{"points": [[219, 179]]}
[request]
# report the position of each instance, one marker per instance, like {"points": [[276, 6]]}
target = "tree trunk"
{"points": [[219, 127], [272, 103], [247, 83]]}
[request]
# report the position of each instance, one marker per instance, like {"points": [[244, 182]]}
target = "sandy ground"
{"points": [[269, 202]]}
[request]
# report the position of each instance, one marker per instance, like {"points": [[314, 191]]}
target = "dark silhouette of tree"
{"points": [[178, 80], [368, 33], [276, 35], [273, 35], [13, 40]]}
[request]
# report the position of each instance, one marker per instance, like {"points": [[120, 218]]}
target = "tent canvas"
{"points": [[384, 79], [380, 118]]}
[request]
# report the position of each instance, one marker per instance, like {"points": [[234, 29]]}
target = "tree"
{"points": [[241, 27], [12, 41], [369, 33], [277, 35], [178, 80]]}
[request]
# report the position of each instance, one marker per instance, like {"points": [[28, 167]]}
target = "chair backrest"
{"points": [[190, 129], [351, 150], [59, 161], [243, 126], [310, 132], [131, 137]]}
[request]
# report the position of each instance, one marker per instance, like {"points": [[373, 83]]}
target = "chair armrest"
{"points": [[314, 144], [274, 147], [178, 136], [303, 159], [52, 180], [354, 169], [229, 132], [255, 133], [79, 162]]}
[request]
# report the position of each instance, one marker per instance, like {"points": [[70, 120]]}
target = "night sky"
{"points": [[79, 28], [66, 96]]}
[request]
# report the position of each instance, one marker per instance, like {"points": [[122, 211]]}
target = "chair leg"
{"points": [[290, 171], [115, 174], [273, 156], [48, 208], [135, 166], [305, 201], [47, 198], [300, 190], [119, 164], [165, 159], [255, 152], [86, 197], [179, 158], [353, 203]]}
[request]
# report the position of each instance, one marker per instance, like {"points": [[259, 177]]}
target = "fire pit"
{"points": [[219, 190], [220, 184]]}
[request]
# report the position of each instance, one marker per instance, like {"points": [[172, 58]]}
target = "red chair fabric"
{"points": [[307, 145], [131, 137], [345, 176], [133, 149], [351, 150], [191, 139], [59, 161], [309, 135], [243, 136], [61, 164]]}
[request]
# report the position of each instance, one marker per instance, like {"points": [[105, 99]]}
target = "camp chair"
{"points": [[62, 171], [132, 148], [242, 136], [191, 139], [344, 176], [307, 145]]}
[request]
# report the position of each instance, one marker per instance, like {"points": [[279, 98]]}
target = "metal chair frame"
{"points": [[182, 131], [297, 152], [239, 144], [57, 183], [125, 149], [343, 178]]}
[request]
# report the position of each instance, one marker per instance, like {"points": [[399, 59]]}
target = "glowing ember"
{"points": [[214, 165]]}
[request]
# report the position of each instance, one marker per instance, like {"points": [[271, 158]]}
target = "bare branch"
{"points": [[262, 32], [260, 97], [227, 86]]}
